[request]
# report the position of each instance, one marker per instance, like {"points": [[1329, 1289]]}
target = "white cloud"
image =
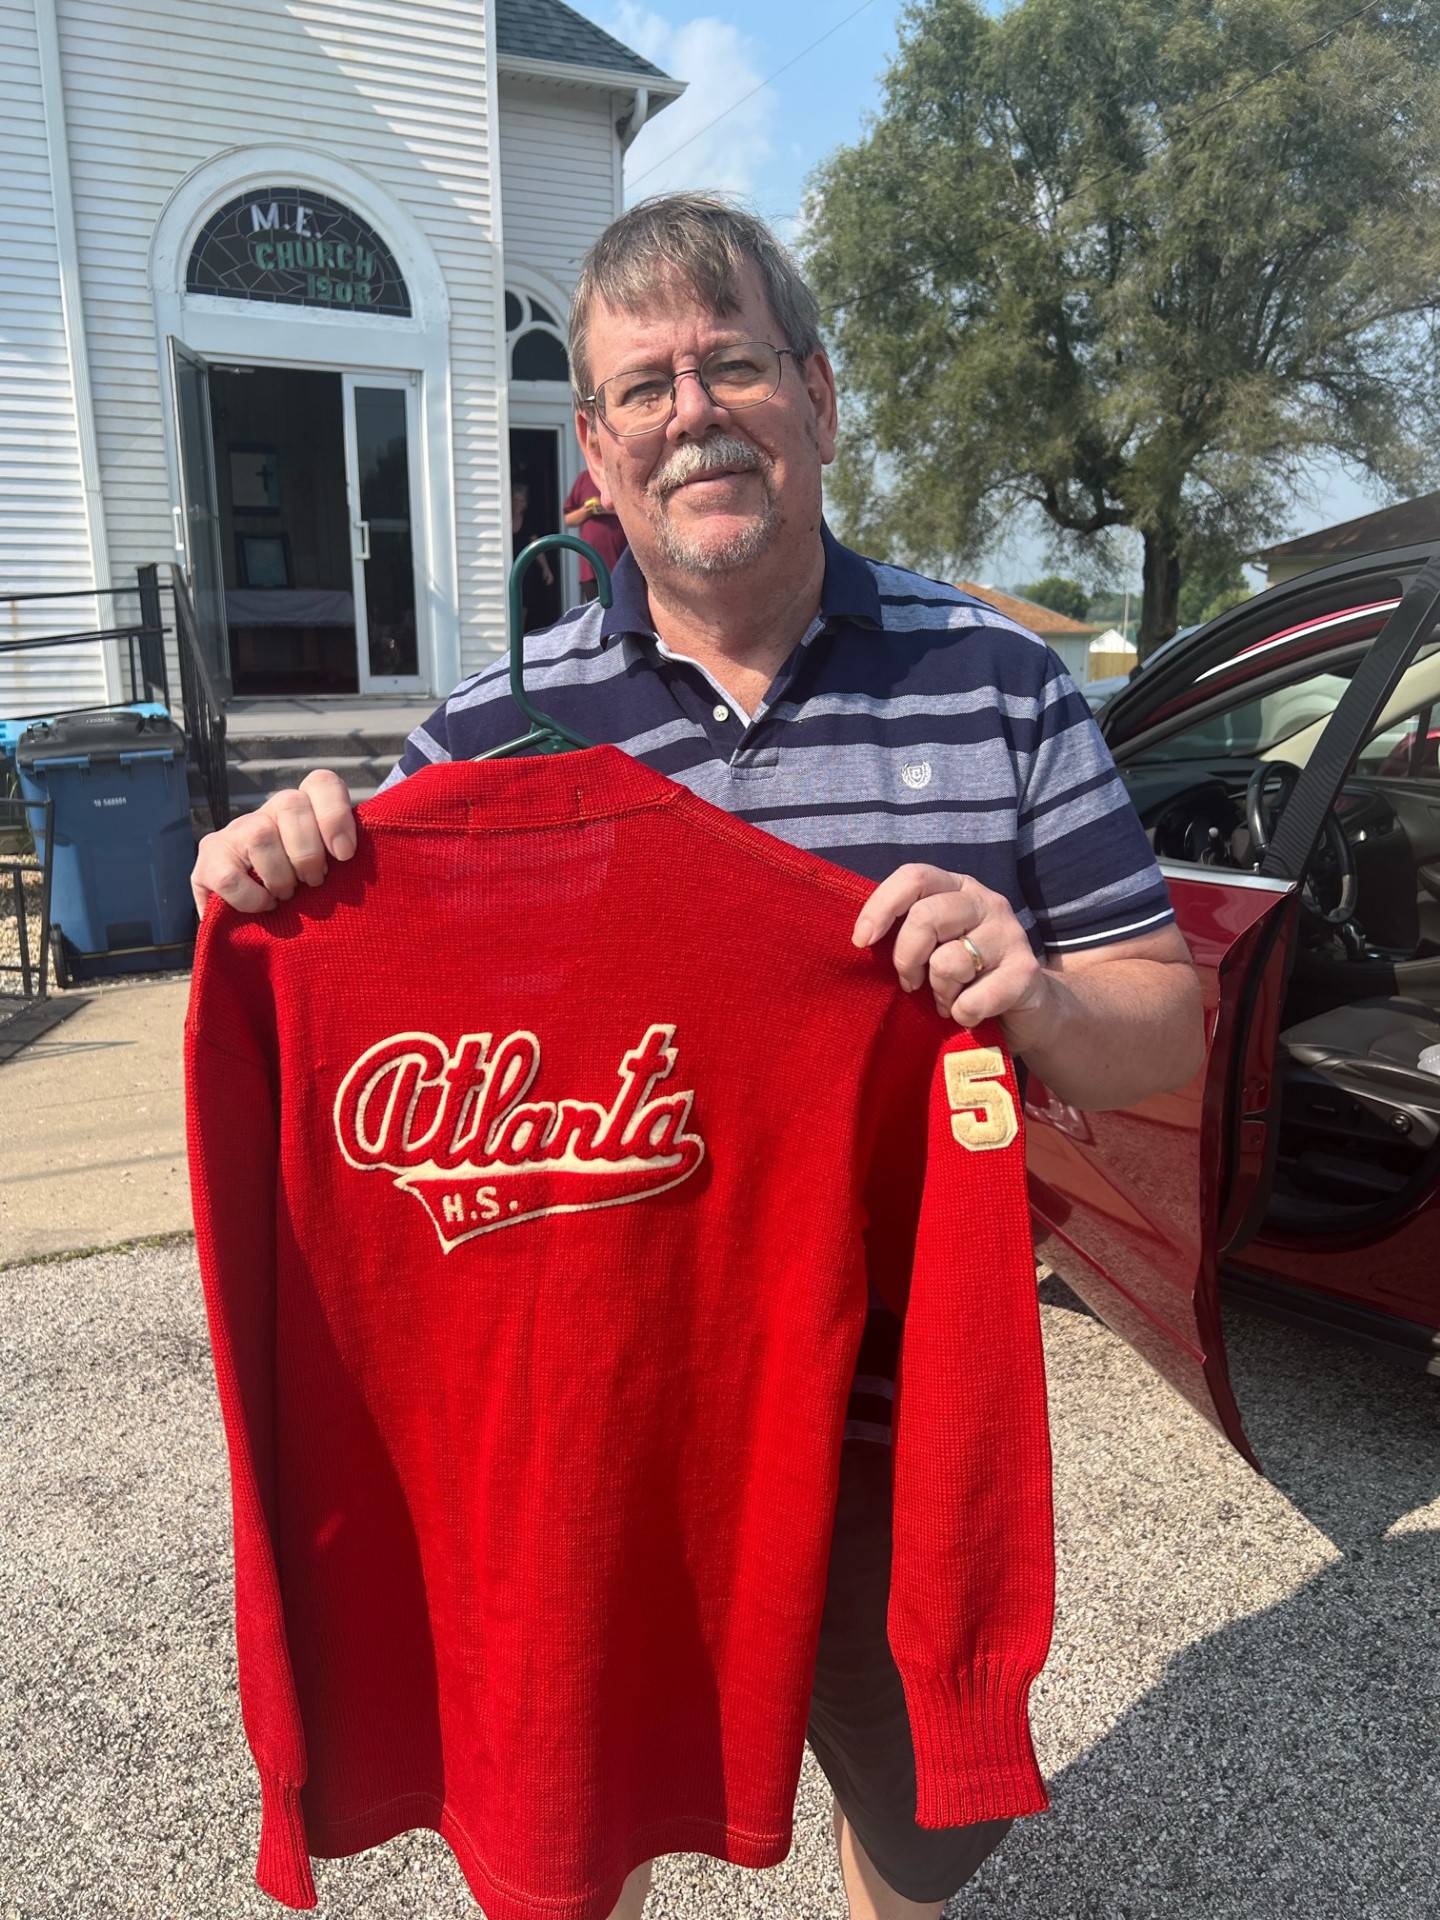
{"points": [[719, 62]]}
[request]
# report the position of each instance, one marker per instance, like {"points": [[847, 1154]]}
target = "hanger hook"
{"points": [[545, 733]]}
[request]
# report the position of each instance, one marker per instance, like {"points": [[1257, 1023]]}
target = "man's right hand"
{"points": [[261, 857]]}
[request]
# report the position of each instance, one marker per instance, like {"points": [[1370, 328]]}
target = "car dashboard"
{"points": [[1194, 812]]}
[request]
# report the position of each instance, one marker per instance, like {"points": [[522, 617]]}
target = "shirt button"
{"points": [[721, 713]]}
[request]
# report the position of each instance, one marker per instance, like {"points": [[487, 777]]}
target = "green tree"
{"points": [[1060, 594], [1210, 589], [1134, 266]]}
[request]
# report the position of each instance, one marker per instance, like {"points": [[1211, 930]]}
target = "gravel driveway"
{"points": [[1241, 1716]]}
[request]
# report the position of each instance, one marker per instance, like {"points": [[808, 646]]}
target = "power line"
{"points": [[691, 138], [1088, 186]]}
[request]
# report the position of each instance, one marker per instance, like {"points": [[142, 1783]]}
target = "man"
{"points": [[872, 716], [596, 524]]}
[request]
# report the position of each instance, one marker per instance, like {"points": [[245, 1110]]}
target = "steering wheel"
{"points": [[1335, 858]]}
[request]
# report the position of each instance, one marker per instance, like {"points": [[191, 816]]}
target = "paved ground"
{"points": [[1240, 1718], [97, 1155]]}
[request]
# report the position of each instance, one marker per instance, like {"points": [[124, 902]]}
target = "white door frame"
{"points": [[253, 333], [536, 404], [407, 384]]}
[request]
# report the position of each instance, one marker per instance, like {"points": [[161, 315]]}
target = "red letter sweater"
{"points": [[541, 1160]]}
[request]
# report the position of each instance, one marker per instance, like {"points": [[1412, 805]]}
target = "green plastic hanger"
{"points": [[545, 735]]}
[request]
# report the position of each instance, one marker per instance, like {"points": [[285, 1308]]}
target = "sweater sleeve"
{"points": [[972, 1575], [231, 1125]]}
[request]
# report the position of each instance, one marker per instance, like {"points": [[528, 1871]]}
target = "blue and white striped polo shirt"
{"points": [[912, 722]]}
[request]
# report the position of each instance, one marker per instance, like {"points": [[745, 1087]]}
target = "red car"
{"points": [[1283, 761]]}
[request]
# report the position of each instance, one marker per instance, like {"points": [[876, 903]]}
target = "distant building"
{"points": [[1111, 654], [1400, 526], [1070, 638]]}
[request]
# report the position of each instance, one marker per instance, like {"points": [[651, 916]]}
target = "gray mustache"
{"points": [[705, 457]]}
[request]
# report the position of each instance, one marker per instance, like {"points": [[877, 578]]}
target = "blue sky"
{"points": [[765, 146]]}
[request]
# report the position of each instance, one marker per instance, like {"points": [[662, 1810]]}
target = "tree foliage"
{"points": [[1135, 266], [1060, 594], [1208, 589]]}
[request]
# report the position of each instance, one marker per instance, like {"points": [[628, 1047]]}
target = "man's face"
{"points": [[715, 490]]}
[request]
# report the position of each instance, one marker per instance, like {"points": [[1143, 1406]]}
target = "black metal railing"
{"points": [[152, 633], [34, 971], [140, 643], [204, 714]]}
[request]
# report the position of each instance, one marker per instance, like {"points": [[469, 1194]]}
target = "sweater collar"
{"points": [[543, 789]]}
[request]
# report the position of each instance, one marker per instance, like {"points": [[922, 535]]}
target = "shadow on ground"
{"points": [[1284, 1764], [1240, 1717]]}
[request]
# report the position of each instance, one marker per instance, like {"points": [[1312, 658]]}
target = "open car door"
{"points": [[1133, 1208], [1137, 1209]]}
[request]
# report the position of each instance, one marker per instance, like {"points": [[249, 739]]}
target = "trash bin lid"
{"points": [[11, 730], [110, 734]]}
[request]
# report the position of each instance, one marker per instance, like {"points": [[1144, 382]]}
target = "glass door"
{"points": [[382, 472], [197, 517]]}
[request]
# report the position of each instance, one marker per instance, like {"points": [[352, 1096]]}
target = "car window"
{"points": [[1404, 749], [1286, 722], [1259, 727]]}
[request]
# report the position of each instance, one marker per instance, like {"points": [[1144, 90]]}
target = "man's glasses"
{"points": [[743, 375]]}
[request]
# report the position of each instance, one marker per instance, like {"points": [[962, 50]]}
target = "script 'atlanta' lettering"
{"points": [[458, 1131]]}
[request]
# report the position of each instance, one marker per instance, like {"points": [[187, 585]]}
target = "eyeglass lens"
{"points": [[738, 376]]}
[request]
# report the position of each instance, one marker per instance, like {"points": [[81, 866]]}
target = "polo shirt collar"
{"points": [[629, 611], [848, 592]]}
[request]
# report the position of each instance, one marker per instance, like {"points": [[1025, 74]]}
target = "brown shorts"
{"points": [[859, 1730]]}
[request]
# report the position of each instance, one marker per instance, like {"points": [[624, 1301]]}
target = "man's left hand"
{"points": [[943, 916]]}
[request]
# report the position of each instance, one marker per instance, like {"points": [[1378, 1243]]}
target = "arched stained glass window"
{"points": [[538, 355], [287, 246], [535, 339]]}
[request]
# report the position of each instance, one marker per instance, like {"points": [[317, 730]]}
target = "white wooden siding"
{"points": [[557, 175], [396, 88], [44, 541]]}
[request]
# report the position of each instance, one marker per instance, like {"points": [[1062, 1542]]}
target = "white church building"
{"points": [[283, 303]]}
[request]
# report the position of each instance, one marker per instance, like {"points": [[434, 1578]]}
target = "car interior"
{"points": [[1359, 1046]]}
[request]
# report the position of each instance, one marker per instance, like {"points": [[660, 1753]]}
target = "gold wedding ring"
{"points": [[975, 954]]}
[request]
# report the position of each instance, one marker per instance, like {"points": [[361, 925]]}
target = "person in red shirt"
{"points": [[598, 525]]}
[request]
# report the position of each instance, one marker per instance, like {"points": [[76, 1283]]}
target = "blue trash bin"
{"points": [[120, 893]]}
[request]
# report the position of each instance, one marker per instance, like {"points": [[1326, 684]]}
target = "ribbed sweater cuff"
{"points": [[283, 1868], [973, 1757]]}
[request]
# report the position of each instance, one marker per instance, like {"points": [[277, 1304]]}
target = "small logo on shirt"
{"points": [[455, 1129], [917, 774]]}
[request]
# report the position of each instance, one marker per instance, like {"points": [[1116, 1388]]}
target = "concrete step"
{"points": [[271, 744], [248, 802], [252, 781], [315, 747]]}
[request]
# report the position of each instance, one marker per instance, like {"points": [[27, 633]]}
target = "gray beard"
{"points": [[742, 549]]}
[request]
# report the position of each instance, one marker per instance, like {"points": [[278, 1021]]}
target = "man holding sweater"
{"points": [[882, 720]]}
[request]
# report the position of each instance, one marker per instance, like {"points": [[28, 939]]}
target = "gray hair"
{"points": [[703, 240]]}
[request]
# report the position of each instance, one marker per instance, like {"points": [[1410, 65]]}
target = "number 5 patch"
{"points": [[982, 1113]]}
